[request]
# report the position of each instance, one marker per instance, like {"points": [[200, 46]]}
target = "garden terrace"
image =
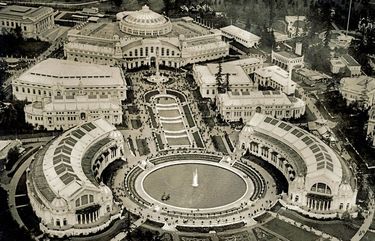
{"points": [[152, 117], [230, 145], [198, 139], [179, 95], [148, 95], [178, 141], [188, 115]]}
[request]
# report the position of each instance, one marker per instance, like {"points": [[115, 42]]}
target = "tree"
{"points": [[267, 37], [117, 3], [167, 6], [248, 23], [12, 157], [326, 17]]}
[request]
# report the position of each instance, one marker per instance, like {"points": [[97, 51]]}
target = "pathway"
{"points": [[12, 191], [367, 222]]}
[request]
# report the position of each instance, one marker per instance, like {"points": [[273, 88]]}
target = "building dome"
{"points": [[58, 203], [105, 190], [145, 22], [115, 135]]}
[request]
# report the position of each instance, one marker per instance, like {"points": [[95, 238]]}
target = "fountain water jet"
{"points": [[195, 178]]}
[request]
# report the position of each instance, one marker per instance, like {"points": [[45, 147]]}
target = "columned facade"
{"points": [[64, 180], [318, 187], [32, 21], [142, 35]]}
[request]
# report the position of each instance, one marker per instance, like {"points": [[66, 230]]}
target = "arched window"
{"points": [[321, 188]]}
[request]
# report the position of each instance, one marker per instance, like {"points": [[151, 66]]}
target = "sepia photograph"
{"points": [[187, 120]]}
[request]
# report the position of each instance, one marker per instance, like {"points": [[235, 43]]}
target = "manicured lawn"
{"points": [[179, 141], [188, 115], [160, 141], [229, 142], [219, 144], [152, 117], [176, 126], [337, 228], [198, 140], [142, 147], [289, 231], [131, 145], [239, 236], [263, 235], [369, 236]]}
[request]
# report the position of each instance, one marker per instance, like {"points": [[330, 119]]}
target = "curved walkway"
{"points": [[249, 212], [12, 191], [367, 222]]}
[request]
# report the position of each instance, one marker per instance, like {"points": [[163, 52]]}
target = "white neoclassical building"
{"points": [[64, 180], [288, 60], [320, 182], [236, 72], [235, 106], [371, 125], [64, 112], [138, 38], [56, 77], [275, 77], [359, 89], [31, 20], [247, 39], [65, 93]]}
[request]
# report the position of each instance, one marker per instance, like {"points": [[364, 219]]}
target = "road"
{"points": [[13, 186], [367, 222]]}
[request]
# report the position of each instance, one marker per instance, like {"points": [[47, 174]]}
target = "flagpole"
{"points": [[347, 24]]}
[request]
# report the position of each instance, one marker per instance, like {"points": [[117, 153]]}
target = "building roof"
{"points": [[255, 98], [277, 74], [337, 62], [312, 74], [289, 55], [244, 61], [239, 32], [294, 18], [359, 84], [145, 17], [53, 72], [22, 13], [58, 167], [79, 103], [349, 60], [236, 74], [317, 157], [5, 146]]}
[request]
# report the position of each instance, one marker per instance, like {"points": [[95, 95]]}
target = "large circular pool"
{"points": [[172, 185]]}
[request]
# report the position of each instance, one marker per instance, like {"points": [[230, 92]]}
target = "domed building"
{"points": [[64, 180], [145, 38], [320, 183], [145, 23]]}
